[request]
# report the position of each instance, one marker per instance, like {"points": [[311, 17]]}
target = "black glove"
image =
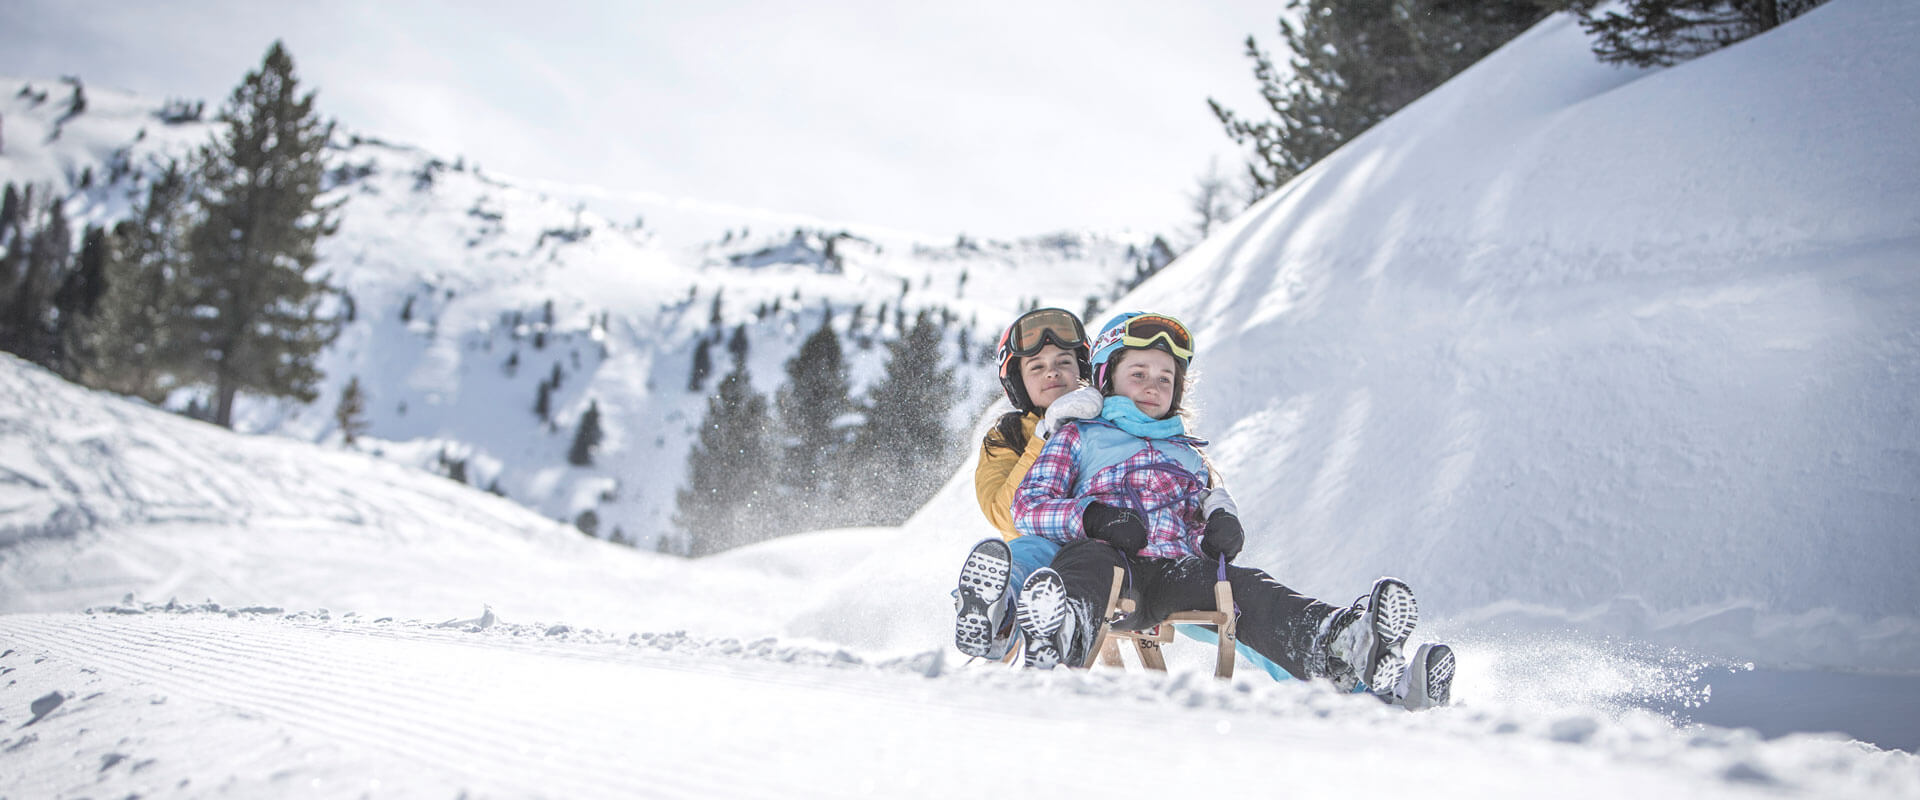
{"points": [[1224, 536], [1118, 526]]}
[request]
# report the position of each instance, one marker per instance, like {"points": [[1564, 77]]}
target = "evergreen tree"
{"points": [[78, 304], [257, 323], [904, 451], [813, 398], [726, 501], [1648, 33], [9, 211], [351, 413], [543, 403], [702, 367], [15, 242], [37, 258], [1354, 63], [737, 345], [586, 438], [134, 345]]}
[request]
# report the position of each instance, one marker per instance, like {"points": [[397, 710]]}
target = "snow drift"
{"points": [[1571, 346]]}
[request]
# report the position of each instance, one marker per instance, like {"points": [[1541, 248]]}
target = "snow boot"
{"points": [[981, 627], [1428, 682], [1058, 629], [1362, 642]]}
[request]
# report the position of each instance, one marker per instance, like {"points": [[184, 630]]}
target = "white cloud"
{"points": [[994, 118]]}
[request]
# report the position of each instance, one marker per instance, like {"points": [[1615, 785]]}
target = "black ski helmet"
{"points": [[1032, 331]]}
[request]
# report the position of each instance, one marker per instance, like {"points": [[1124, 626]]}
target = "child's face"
{"points": [[1048, 374], [1147, 378]]}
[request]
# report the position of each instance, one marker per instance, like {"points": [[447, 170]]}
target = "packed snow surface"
{"points": [[1617, 368]]}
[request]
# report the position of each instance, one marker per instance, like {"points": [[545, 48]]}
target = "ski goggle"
{"points": [[1156, 331], [1039, 328]]}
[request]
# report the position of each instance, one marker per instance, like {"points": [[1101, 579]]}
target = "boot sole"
{"points": [[983, 584], [1439, 688], [1043, 607], [1395, 612]]}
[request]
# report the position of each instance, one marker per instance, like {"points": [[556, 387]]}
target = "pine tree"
{"points": [[37, 258], [351, 413], [78, 304], [257, 324], [702, 366], [904, 451], [725, 503], [813, 398], [737, 345], [1354, 63], [1665, 32], [586, 438], [9, 210], [133, 343], [15, 242]]}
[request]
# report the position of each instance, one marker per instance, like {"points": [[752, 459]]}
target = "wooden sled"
{"points": [[1147, 643]]}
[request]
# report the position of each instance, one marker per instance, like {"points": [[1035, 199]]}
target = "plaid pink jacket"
{"points": [[1150, 481]]}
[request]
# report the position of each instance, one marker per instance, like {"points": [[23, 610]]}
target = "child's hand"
{"points": [[1224, 537], [1118, 526], [1085, 402]]}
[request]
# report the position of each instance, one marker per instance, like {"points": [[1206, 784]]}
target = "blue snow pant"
{"points": [[1030, 553], [1204, 633]]}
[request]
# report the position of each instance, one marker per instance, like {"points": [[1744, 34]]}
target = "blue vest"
{"points": [[1104, 446]]}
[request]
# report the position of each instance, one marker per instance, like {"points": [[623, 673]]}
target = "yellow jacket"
{"points": [[1000, 471]]}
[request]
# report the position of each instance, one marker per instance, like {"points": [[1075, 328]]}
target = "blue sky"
{"points": [[990, 118]]}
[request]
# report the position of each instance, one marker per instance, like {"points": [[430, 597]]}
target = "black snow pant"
{"points": [[1275, 621]]}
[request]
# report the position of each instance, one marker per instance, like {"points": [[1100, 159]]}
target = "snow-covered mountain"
{"points": [[468, 292], [1616, 367]]}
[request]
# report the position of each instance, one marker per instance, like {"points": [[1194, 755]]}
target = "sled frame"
{"points": [[1147, 643]]}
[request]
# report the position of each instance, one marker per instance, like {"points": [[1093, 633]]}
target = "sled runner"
{"points": [[1147, 642]]}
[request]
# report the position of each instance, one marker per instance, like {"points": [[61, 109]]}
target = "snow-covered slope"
{"points": [[202, 701], [103, 497], [1574, 348], [1569, 345], [1615, 367], [374, 629], [468, 292]]}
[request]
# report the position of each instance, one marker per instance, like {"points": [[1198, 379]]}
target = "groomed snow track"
{"points": [[209, 702]]}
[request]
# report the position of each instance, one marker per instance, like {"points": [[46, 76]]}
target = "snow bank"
{"points": [[1570, 345]]}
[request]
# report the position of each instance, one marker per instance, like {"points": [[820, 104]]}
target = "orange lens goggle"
{"points": [[1147, 330], [1038, 328]]}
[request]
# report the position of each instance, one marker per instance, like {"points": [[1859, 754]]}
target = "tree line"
{"points": [[208, 284], [814, 457]]}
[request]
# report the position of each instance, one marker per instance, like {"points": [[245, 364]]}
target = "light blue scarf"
{"points": [[1128, 417]]}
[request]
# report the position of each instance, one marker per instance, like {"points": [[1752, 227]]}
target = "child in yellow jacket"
{"points": [[1044, 369]]}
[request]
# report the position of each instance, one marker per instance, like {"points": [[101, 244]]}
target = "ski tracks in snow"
{"points": [[255, 703], [431, 713]]}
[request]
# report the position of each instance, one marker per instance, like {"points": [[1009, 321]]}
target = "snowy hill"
{"points": [[1570, 345], [468, 292], [1616, 367], [389, 632], [1669, 398]]}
